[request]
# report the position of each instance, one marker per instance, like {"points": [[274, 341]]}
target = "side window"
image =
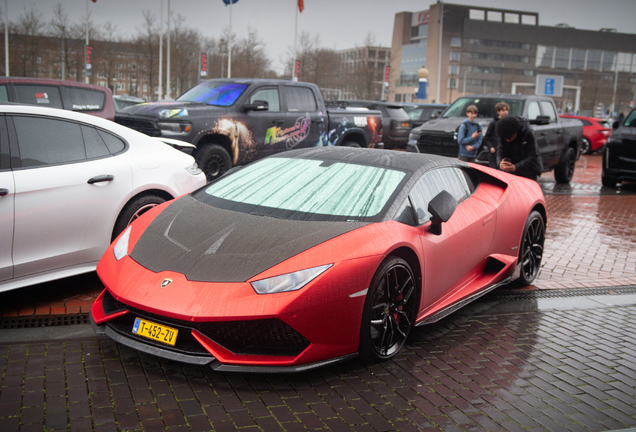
{"points": [[44, 141], [80, 99], [300, 99], [47, 96], [270, 95], [533, 110], [4, 96], [5, 160], [453, 180], [114, 144], [95, 146], [548, 110], [415, 114]]}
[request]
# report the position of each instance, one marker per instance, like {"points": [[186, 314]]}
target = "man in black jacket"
{"points": [[518, 152], [490, 139]]}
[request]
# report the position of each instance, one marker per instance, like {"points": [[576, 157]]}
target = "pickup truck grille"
{"points": [[143, 126], [438, 143]]}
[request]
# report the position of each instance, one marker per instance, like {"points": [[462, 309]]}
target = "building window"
{"points": [[456, 42], [593, 60], [454, 56], [101, 75], [494, 16], [477, 14], [562, 58], [101, 84], [511, 18], [398, 97], [528, 19], [609, 59], [545, 56], [577, 60], [452, 83], [453, 69], [121, 86]]}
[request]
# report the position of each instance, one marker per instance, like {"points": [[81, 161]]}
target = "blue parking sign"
{"points": [[549, 86]]}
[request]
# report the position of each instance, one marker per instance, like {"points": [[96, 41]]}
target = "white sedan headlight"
{"points": [[288, 282], [121, 247]]}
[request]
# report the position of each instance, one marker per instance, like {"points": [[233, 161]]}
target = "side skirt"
{"points": [[460, 304]]}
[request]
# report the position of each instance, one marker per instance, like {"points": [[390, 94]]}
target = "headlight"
{"points": [[288, 282], [413, 137], [121, 247], [174, 129], [169, 113], [193, 169]]}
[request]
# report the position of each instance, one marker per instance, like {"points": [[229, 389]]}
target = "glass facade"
{"points": [[582, 59]]}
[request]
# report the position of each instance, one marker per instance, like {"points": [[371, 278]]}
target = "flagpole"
{"points": [[87, 42], [293, 69], [6, 36], [229, 45], [160, 50], [168, 96]]}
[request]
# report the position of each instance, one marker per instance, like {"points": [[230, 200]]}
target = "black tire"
{"points": [[390, 310], [213, 160], [586, 146], [608, 180], [531, 249], [564, 171], [135, 208]]}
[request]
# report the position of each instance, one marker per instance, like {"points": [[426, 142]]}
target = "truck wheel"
{"points": [[350, 144], [564, 171], [608, 180], [213, 160]]}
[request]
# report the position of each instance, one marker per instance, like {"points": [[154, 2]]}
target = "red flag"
{"points": [[301, 5]]}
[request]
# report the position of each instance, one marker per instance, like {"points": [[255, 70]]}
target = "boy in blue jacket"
{"points": [[469, 136]]}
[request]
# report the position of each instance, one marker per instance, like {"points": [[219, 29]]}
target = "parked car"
{"points": [[596, 131], [70, 183], [619, 156], [421, 113], [315, 256], [235, 121], [396, 124], [123, 101], [559, 140], [51, 93]]}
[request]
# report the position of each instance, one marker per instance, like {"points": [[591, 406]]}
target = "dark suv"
{"points": [[51, 93], [396, 123], [619, 156]]}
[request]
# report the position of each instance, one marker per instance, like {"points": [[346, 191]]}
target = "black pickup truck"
{"points": [[235, 121], [559, 140]]}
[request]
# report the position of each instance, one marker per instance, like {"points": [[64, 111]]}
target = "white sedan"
{"points": [[70, 183]]}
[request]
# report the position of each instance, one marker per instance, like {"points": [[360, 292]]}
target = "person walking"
{"points": [[469, 136]]}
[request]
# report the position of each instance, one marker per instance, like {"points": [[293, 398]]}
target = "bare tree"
{"points": [[59, 27], [30, 25], [148, 44], [184, 64], [250, 59]]}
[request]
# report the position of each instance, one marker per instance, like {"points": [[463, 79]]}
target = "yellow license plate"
{"points": [[154, 331]]}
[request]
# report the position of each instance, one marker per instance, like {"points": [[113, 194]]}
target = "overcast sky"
{"points": [[340, 24]]}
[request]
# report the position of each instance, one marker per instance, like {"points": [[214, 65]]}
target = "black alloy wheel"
{"points": [[390, 310], [586, 146], [564, 172], [133, 210], [214, 161], [531, 251]]}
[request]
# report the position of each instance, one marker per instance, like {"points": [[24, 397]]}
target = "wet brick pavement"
{"points": [[477, 370], [488, 367]]}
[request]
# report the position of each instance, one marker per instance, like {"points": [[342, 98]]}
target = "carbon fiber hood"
{"points": [[208, 244]]}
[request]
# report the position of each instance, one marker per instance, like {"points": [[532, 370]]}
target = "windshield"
{"points": [[485, 106], [306, 189], [397, 113], [214, 93], [631, 119]]}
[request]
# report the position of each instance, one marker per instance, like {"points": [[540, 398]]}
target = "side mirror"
{"points": [[615, 125], [541, 120], [441, 209], [257, 105]]}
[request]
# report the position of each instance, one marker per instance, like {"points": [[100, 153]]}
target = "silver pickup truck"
{"points": [[559, 140]]}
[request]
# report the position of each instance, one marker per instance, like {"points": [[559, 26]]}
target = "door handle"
{"points": [[101, 178], [4, 192], [278, 121]]}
